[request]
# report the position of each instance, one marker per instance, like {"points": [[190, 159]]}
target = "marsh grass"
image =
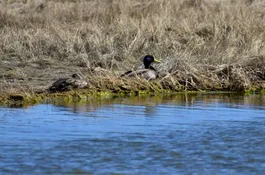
{"points": [[203, 44]]}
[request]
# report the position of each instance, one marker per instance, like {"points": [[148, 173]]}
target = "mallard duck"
{"points": [[65, 84], [148, 73]]}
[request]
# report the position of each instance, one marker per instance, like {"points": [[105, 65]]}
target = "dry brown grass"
{"points": [[203, 44]]}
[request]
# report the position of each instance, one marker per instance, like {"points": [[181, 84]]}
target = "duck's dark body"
{"points": [[66, 84]]}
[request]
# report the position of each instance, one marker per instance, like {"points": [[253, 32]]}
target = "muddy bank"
{"points": [[36, 77], [203, 45], [21, 90]]}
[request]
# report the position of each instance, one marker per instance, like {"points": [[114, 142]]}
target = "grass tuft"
{"points": [[203, 44]]}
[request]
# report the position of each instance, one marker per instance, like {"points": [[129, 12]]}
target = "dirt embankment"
{"points": [[202, 44]]}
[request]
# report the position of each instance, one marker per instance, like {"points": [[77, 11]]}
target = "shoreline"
{"points": [[202, 45], [25, 99]]}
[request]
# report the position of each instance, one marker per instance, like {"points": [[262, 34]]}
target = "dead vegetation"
{"points": [[203, 44]]}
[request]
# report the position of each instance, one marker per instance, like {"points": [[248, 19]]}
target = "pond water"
{"points": [[171, 134]]}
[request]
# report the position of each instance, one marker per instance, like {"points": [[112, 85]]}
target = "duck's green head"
{"points": [[148, 60], [76, 76]]}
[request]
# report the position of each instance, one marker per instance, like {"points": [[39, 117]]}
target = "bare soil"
{"points": [[202, 44]]}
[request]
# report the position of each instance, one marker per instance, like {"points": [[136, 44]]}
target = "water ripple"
{"points": [[213, 135]]}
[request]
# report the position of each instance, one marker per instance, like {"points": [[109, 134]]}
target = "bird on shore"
{"points": [[148, 73], [76, 81]]}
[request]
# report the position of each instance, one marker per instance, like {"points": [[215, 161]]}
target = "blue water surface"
{"points": [[177, 134]]}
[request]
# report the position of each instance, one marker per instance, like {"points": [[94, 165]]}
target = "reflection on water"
{"points": [[160, 134], [232, 100]]}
